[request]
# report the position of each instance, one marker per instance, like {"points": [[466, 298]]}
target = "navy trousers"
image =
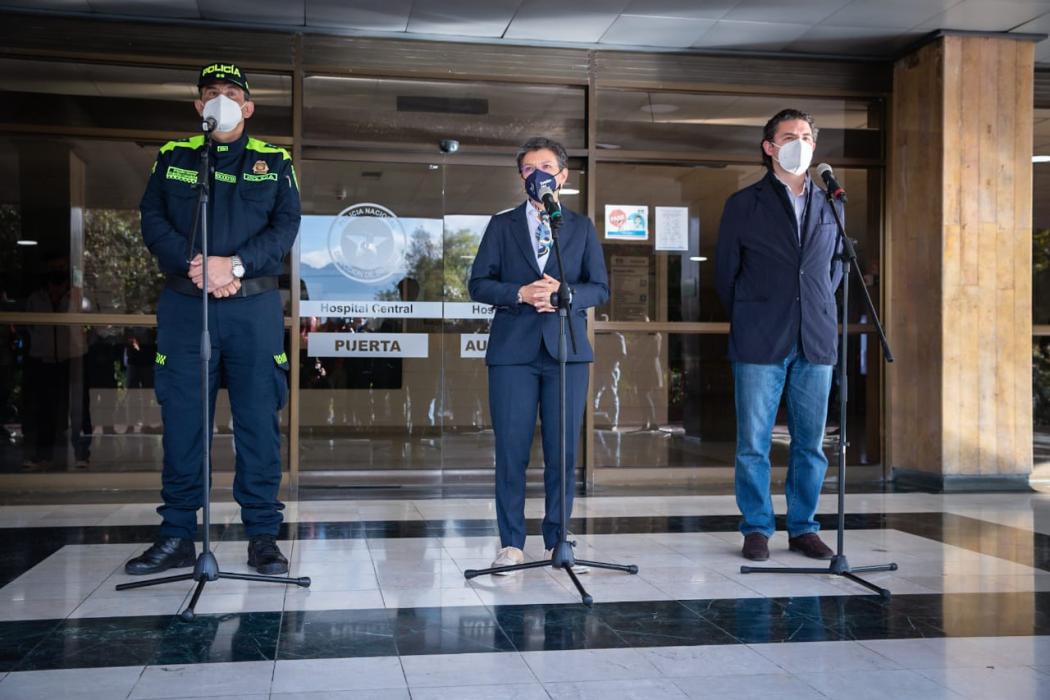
{"points": [[515, 392], [247, 348]]}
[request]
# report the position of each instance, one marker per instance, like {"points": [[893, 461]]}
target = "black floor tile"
{"points": [[660, 623], [555, 627], [451, 630], [248, 636], [326, 634]]}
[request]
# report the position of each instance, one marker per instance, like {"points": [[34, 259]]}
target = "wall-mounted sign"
{"points": [[473, 344], [627, 222], [367, 345], [672, 228]]}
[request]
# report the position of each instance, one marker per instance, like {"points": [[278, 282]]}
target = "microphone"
{"points": [[208, 125], [835, 190], [549, 202]]}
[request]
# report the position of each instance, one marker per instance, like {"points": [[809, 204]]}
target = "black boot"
{"points": [[265, 557], [166, 553]]}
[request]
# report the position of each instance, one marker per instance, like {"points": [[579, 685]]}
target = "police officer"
{"points": [[253, 220]]}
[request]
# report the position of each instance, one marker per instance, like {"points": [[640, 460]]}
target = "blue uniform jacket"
{"points": [[505, 262], [776, 290], [254, 206]]}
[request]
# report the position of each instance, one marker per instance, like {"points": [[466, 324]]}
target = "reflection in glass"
{"points": [[650, 285], [342, 111], [125, 97], [730, 124], [81, 397], [666, 400]]}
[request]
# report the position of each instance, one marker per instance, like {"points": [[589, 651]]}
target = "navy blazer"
{"points": [[776, 289], [505, 262]]}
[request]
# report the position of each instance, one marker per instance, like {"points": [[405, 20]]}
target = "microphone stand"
{"points": [[839, 565], [562, 556], [207, 566]]}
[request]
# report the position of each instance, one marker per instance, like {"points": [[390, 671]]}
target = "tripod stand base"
{"points": [[207, 569], [838, 566], [563, 564]]}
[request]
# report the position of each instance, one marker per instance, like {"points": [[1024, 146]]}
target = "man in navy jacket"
{"points": [[777, 279], [515, 271]]}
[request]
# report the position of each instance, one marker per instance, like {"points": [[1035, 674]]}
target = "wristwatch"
{"points": [[237, 266]]}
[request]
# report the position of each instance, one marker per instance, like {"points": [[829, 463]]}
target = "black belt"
{"points": [[249, 287]]}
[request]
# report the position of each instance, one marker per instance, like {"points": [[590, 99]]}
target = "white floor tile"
{"points": [[992, 683], [516, 691], [709, 660], [204, 680], [824, 657], [878, 685], [748, 687], [466, 669], [322, 675], [644, 689], [589, 665], [73, 683]]}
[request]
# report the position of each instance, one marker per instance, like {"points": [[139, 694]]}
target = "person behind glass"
{"points": [[253, 220], [515, 271], [776, 277], [54, 393]]}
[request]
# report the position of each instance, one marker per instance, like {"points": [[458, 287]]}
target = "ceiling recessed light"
{"points": [[698, 258], [1041, 159], [26, 241], [568, 191]]}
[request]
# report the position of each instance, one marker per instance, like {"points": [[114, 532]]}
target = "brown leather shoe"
{"points": [[756, 547], [810, 545]]}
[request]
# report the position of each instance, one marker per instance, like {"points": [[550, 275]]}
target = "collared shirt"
{"points": [[798, 202], [532, 215]]}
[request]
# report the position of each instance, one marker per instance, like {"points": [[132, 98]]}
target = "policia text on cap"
{"points": [[253, 220]]}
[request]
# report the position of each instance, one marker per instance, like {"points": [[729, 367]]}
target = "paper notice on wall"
{"points": [[627, 222], [672, 228]]}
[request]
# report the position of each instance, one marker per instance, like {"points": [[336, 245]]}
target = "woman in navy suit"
{"points": [[514, 271]]}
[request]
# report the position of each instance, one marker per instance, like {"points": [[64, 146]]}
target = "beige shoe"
{"points": [[508, 556], [576, 568]]}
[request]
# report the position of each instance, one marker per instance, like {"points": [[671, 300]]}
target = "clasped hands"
{"points": [[221, 282], [538, 293]]}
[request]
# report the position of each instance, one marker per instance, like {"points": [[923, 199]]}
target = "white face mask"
{"points": [[225, 112], [795, 156]]}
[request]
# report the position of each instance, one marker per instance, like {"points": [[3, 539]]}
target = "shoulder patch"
{"points": [[260, 146], [193, 142]]}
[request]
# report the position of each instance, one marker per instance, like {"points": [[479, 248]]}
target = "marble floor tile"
{"points": [[639, 689], [204, 680], [513, 691], [466, 669], [429, 597], [78, 683], [132, 603], [709, 660], [330, 675], [589, 665], [877, 685], [988, 683], [313, 599], [824, 657], [377, 694], [748, 687]]}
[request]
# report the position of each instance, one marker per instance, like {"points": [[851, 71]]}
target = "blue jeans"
{"points": [[758, 390]]}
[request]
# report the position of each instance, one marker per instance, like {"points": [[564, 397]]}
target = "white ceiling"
{"points": [[868, 28]]}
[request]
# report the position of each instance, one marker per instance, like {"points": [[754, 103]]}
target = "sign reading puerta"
{"points": [[365, 267]]}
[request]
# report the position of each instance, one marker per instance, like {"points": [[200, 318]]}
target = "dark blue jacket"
{"points": [[254, 206], [505, 262], [775, 289]]}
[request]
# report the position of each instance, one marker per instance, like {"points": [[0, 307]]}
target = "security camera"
{"points": [[449, 145]]}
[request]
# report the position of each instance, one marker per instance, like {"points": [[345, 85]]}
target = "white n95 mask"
{"points": [[225, 112], [795, 156]]}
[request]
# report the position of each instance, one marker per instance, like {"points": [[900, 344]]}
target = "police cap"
{"points": [[223, 73]]}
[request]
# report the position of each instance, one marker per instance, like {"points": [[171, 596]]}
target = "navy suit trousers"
{"points": [[515, 391]]}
